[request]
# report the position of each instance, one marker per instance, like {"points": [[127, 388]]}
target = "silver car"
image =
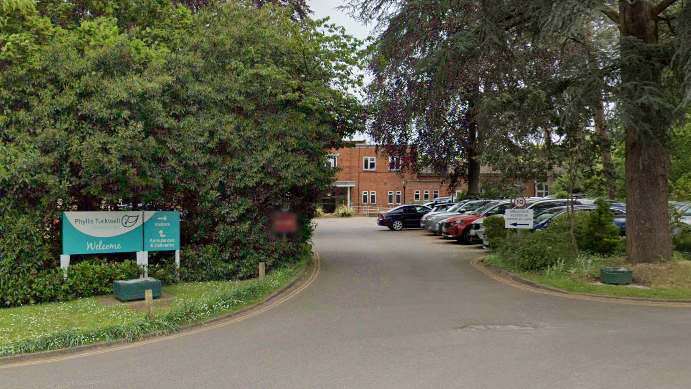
{"points": [[431, 223]]}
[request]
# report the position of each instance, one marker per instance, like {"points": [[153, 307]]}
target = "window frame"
{"points": [[395, 162], [398, 197], [417, 195], [372, 197], [369, 164], [435, 194], [391, 197], [425, 196], [365, 196]]}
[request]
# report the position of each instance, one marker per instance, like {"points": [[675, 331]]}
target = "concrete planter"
{"points": [[616, 275], [131, 290]]}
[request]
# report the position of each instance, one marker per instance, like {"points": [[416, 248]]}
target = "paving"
{"points": [[398, 310]]}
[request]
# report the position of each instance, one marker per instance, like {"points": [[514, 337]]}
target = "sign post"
{"points": [[518, 218], [120, 232]]}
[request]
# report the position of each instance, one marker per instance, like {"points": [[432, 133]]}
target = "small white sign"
{"points": [[518, 218]]}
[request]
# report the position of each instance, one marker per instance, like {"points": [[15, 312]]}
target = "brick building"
{"points": [[366, 178]]}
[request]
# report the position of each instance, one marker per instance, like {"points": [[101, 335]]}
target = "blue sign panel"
{"points": [[161, 231], [101, 232]]}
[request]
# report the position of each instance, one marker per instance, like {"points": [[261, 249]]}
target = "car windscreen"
{"points": [[482, 210]]}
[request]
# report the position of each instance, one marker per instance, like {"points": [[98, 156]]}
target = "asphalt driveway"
{"points": [[399, 310]]}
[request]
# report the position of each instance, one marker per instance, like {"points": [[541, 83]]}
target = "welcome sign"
{"points": [[102, 232]]}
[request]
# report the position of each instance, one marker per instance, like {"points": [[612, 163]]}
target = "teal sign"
{"points": [[119, 232], [161, 231], [102, 232]]}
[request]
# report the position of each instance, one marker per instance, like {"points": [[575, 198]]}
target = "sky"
{"points": [[324, 8]]}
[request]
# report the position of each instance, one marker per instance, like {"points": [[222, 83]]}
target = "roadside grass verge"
{"points": [[664, 280], [53, 326]]}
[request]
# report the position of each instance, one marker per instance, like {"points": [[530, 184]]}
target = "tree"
{"points": [[427, 84]]}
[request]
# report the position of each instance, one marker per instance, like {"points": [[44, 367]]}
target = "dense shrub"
{"points": [[681, 237], [344, 211], [495, 231], [600, 235], [85, 279], [204, 115], [536, 251]]}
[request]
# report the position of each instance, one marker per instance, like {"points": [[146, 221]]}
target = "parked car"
{"points": [[458, 227], [683, 209], [543, 220], [405, 216], [433, 222], [538, 205]]}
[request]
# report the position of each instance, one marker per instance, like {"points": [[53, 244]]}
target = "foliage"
{"points": [[600, 235], [224, 111], [495, 231], [500, 189], [536, 251], [681, 237], [319, 211], [344, 211]]}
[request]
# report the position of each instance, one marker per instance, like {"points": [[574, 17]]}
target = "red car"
{"points": [[458, 227]]}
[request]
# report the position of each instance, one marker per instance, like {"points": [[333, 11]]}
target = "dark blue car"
{"points": [[405, 216]]}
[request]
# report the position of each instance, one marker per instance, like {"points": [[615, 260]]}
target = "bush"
{"points": [[681, 237], [319, 211], [344, 211], [495, 231], [600, 235], [536, 251]]}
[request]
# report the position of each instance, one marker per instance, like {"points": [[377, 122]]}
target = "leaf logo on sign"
{"points": [[129, 221]]}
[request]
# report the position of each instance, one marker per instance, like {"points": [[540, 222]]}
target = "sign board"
{"points": [[519, 202], [285, 223], [518, 218], [161, 231], [101, 232]]}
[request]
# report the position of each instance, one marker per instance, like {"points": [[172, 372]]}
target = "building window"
{"points": [[394, 164], [426, 196], [372, 197], [417, 195], [541, 189], [398, 197], [390, 197], [370, 164], [364, 197], [435, 194], [332, 160]]}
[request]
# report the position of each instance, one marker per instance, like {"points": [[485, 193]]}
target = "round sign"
{"points": [[519, 202]]}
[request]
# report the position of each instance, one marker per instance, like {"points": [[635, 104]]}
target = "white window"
{"points": [[369, 164], [364, 197], [394, 163], [541, 189], [398, 197], [372, 197], [426, 197], [435, 194], [390, 197], [332, 160], [417, 195]]}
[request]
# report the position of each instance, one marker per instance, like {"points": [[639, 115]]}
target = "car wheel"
{"points": [[465, 236], [397, 225]]}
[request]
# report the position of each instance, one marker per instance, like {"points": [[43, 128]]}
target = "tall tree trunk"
{"points": [[474, 147], [647, 161]]}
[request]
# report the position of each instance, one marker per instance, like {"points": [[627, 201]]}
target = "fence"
{"points": [[368, 210]]}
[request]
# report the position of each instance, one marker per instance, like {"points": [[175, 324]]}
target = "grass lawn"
{"points": [[58, 325], [665, 280]]}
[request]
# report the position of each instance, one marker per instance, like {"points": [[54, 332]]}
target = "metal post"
{"points": [[64, 263]]}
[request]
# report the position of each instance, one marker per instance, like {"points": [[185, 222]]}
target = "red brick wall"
{"points": [[381, 181]]}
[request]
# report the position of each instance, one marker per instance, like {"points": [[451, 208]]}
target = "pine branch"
{"points": [[660, 8]]}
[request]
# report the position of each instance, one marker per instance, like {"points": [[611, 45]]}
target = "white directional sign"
{"points": [[518, 218]]}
